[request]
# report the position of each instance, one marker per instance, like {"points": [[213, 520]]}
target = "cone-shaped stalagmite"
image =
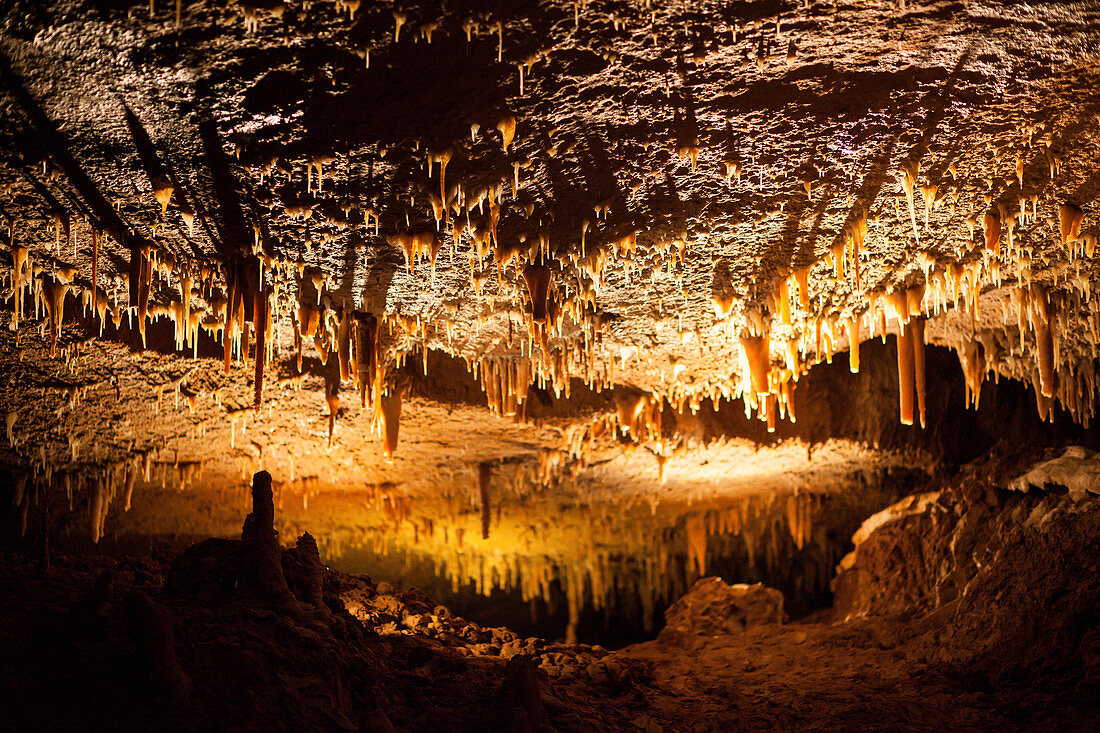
{"points": [[261, 556]]}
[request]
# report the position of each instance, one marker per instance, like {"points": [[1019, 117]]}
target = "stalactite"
{"points": [[853, 343], [757, 358], [991, 225], [55, 291], [1043, 323], [20, 257], [95, 258], [260, 317], [907, 179], [1069, 220], [332, 399], [366, 354], [537, 278], [917, 326], [974, 368], [906, 374], [343, 342]]}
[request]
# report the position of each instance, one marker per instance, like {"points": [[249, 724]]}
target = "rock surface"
{"points": [[1077, 470], [712, 606]]}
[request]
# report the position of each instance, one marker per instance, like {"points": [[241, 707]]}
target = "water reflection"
{"points": [[599, 571], [499, 546]]}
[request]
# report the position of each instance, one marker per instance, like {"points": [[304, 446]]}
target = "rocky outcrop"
{"points": [[1005, 583], [714, 607], [1077, 471], [304, 572]]}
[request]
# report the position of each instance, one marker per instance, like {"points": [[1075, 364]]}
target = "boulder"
{"points": [[714, 607]]}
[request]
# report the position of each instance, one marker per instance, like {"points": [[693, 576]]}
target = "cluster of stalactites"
{"points": [[763, 529], [98, 485], [766, 389], [505, 381]]}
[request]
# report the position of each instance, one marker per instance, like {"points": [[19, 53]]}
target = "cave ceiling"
{"points": [[581, 215]]}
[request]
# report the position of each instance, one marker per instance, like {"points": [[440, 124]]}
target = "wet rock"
{"points": [[1077, 471], [714, 607]]}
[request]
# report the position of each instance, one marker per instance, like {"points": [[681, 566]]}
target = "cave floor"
{"points": [[71, 661]]}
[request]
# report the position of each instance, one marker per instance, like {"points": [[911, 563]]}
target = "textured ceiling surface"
{"points": [[679, 200]]}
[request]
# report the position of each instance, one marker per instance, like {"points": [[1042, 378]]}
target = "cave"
{"points": [[602, 365]]}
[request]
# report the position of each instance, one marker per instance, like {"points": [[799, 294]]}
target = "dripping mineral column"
{"points": [[906, 374]]}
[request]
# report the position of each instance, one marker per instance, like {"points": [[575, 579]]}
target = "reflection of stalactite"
{"points": [[623, 558], [484, 476], [697, 544]]}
